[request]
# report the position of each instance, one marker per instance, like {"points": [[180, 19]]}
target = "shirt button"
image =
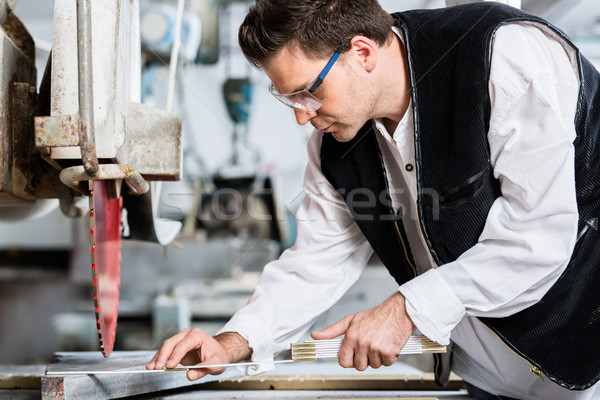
{"points": [[409, 167]]}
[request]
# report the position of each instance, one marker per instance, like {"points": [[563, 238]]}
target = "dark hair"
{"points": [[317, 27]]}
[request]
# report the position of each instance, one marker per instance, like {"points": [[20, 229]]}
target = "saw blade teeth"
{"points": [[105, 256]]}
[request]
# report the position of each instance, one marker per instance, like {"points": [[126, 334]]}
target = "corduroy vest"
{"points": [[448, 54]]}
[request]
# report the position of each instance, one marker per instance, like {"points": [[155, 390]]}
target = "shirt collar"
{"points": [[405, 119]]}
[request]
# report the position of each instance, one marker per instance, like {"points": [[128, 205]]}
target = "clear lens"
{"points": [[300, 100]]}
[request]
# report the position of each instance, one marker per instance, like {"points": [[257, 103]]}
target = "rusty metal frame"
{"points": [[6, 6], [87, 141], [72, 177], [57, 131]]}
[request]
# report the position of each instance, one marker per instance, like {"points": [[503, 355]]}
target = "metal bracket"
{"points": [[72, 177]]}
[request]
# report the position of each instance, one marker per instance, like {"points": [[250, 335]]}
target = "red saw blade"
{"points": [[105, 241]]}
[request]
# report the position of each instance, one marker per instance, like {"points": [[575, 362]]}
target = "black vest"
{"points": [[448, 55]]}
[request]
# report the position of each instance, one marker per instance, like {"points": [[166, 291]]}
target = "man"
{"points": [[461, 145]]}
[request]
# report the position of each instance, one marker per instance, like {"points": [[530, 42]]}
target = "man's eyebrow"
{"points": [[298, 88]]}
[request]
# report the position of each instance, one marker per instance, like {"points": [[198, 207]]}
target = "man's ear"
{"points": [[366, 51]]}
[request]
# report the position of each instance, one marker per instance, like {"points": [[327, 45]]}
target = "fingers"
{"points": [[195, 374], [159, 359], [346, 354], [361, 360], [374, 359], [152, 361], [361, 356], [389, 360], [373, 337], [176, 348], [335, 330], [191, 347], [360, 350], [213, 360], [193, 341]]}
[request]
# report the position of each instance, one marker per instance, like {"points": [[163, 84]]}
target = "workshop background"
{"points": [[241, 183]]}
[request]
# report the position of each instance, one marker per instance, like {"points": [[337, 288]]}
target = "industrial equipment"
{"points": [[85, 125]]}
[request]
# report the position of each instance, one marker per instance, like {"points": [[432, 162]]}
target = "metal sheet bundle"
{"points": [[312, 350]]}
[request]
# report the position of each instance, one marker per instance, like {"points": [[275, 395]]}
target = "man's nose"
{"points": [[302, 116]]}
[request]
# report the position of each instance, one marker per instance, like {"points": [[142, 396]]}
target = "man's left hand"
{"points": [[374, 337]]}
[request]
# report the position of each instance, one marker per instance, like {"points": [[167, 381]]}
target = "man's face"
{"points": [[347, 105]]}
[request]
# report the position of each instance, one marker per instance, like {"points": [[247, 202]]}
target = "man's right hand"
{"points": [[194, 346]]}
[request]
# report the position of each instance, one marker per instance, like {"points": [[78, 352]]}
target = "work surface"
{"points": [[301, 380]]}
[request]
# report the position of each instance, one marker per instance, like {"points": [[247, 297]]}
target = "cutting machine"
{"points": [[85, 134]]}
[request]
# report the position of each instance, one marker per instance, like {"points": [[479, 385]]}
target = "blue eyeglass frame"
{"points": [[325, 70]]}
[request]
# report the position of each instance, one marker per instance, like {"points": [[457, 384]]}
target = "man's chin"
{"points": [[342, 136]]}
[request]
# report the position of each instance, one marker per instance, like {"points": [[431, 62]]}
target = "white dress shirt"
{"points": [[524, 247]]}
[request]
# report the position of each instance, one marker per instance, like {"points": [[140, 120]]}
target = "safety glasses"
{"points": [[306, 99]]}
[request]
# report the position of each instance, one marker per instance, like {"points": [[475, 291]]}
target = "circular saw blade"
{"points": [[105, 241]]}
